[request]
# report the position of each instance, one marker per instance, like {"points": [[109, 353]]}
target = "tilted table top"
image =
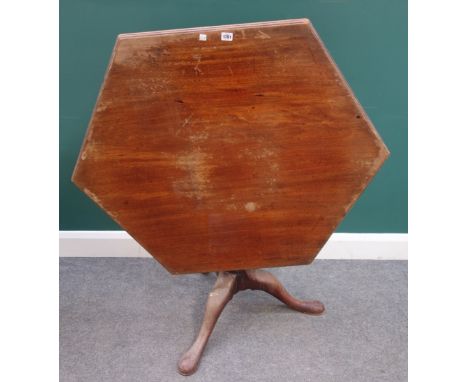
{"points": [[228, 147]]}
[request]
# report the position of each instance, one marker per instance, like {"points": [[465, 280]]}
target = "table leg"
{"points": [[265, 281], [222, 292], [226, 286]]}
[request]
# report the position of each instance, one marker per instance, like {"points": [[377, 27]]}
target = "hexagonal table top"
{"points": [[228, 147]]}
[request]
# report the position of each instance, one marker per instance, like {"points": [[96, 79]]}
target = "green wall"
{"points": [[367, 39]]}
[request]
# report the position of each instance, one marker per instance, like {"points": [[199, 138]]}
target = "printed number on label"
{"points": [[227, 36]]}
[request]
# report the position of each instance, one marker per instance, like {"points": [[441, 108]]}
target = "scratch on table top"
{"points": [[262, 35], [197, 69]]}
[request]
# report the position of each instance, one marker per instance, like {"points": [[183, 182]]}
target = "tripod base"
{"points": [[226, 286]]}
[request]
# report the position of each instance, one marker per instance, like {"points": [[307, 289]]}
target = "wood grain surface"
{"points": [[225, 155]]}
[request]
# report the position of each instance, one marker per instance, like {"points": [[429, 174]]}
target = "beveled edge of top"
{"points": [[303, 21]]}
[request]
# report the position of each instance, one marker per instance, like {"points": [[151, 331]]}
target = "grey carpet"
{"points": [[130, 320]]}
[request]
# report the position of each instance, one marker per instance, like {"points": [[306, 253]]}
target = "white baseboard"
{"points": [[358, 246]]}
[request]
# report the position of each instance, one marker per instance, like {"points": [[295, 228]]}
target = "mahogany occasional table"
{"points": [[227, 149]]}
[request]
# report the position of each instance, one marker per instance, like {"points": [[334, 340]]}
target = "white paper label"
{"points": [[226, 36], [202, 37]]}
